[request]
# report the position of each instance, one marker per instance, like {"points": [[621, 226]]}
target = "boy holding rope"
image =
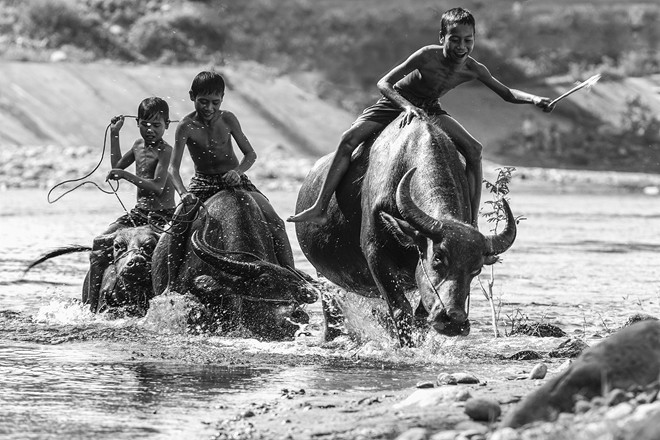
{"points": [[208, 134], [414, 88], [155, 190]]}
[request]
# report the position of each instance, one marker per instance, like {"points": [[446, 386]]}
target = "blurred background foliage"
{"points": [[351, 42]]}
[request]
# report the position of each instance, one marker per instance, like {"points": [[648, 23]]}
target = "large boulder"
{"points": [[630, 357]]}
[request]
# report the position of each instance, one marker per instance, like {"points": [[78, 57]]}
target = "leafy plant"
{"points": [[495, 216]]}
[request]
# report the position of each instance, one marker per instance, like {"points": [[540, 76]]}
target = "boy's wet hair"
{"points": [[152, 107], [207, 83], [456, 16]]}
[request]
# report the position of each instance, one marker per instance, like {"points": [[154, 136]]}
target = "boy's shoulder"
{"points": [[164, 146], [431, 49]]}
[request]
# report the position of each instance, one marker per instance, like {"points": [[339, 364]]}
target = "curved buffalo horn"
{"points": [[498, 243], [216, 259], [412, 213]]}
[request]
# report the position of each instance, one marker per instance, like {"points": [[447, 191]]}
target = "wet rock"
{"points": [[468, 428], [445, 435], [483, 409], [538, 372], [649, 430], [425, 384], [414, 434], [431, 397], [582, 406], [505, 434], [541, 330], [630, 357], [570, 348], [617, 396], [456, 378], [619, 411], [638, 317], [524, 355], [462, 395]]}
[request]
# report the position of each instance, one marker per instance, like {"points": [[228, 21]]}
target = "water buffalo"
{"points": [[399, 221], [126, 285], [228, 262]]}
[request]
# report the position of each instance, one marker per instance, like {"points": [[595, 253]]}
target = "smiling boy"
{"points": [[209, 132], [414, 88]]}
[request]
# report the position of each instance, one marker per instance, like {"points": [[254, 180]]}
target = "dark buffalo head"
{"points": [[262, 297], [451, 254], [132, 249]]}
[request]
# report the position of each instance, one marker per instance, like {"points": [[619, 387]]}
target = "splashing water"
{"points": [[170, 313]]}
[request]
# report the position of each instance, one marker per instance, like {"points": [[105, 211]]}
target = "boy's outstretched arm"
{"points": [[511, 95], [249, 155], [386, 85]]}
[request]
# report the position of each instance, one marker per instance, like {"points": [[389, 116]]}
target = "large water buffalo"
{"points": [[399, 221], [228, 262], [126, 286]]}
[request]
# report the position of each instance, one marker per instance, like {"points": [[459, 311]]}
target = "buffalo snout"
{"points": [[134, 266], [452, 322]]}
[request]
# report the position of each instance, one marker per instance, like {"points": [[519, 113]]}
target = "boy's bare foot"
{"points": [[311, 215]]}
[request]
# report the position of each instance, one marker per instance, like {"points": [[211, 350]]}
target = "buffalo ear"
{"points": [[402, 231]]}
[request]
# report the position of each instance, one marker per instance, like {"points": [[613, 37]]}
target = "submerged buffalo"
{"points": [[400, 220], [126, 286], [226, 259]]}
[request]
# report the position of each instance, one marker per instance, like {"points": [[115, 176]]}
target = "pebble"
{"points": [[456, 378], [431, 397], [445, 435], [570, 348], [470, 428], [619, 411], [617, 396], [425, 384], [582, 406], [505, 434], [483, 409], [462, 395], [413, 434], [538, 372]]}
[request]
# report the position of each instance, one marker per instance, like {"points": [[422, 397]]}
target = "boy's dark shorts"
{"points": [[144, 217], [204, 186], [385, 111]]}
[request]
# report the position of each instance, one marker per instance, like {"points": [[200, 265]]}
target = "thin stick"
{"points": [[588, 83]]}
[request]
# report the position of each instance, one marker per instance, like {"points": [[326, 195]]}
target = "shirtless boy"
{"points": [[414, 87], [208, 134], [155, 191]]}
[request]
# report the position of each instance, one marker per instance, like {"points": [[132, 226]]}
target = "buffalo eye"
{"points": [[118, 246], [474, 273], [440, 260], [147, 249]]}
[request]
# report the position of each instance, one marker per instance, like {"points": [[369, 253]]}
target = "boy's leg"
{"points": [[179, 230], [277, 228], [99, 260], [471, 149], [358, 133]]}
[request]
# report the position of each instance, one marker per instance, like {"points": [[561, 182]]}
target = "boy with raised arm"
{"points": [[155, 190], [208, 133], [414, 87]]}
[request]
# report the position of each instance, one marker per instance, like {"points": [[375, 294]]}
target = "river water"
{"points": [[584, 262]]}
